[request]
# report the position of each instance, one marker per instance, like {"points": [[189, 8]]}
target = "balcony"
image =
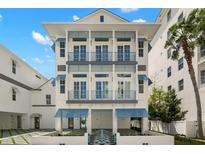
{"points": [[102, 96], [101, 58], [125, 95]]}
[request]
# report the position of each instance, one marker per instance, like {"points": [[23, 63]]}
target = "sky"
{"points": [[22, 32]]}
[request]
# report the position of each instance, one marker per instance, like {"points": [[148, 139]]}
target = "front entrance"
{"points": [[37, 122], [70, 123], [102, 119], [19, 122]]}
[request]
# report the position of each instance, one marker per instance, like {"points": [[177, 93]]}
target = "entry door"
{"points": [[123, 89], [19, 122], [70, 123], [37, 122], [101, 52]]}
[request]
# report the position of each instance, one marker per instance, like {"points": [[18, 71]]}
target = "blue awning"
{"points": [[142, 77], [72, 113], [60, 77], [126, 113]]}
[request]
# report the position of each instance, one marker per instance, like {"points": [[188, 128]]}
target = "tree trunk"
{"points": [[188, 57]]}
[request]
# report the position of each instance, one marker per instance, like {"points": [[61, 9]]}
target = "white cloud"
{"points": [[139, 20], [128, 10], [38, 60], [75, 18], [1, 17], [38, 37]]}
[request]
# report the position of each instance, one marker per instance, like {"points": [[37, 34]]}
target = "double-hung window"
{"points": [[181, 84], [13, 67], [62, 86], [141, 86], [169, 53], [169, 71], [48, 99], [180, 63], [62, 49], [202, 50], [141, 48], [203, 77], [13, 94], [169, 14]]}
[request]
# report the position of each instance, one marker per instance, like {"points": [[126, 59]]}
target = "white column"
{"points": [[144, 123], [58, 124], [89, 122], [89, 67], [114, 122], [113, 66], [66, 57], [136, 71]]}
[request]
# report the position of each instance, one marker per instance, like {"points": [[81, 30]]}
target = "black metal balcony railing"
{"points": [[102, 95], [106, 56]]}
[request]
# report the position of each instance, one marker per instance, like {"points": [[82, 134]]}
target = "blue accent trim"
{"points": [[142, 77], [127, 113], [71, 113], [61, 77]]}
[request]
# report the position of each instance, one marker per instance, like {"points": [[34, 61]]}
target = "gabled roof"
{"points": [[103, 10]]}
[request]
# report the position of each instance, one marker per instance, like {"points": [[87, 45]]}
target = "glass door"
{"points": [[76, 53], [123, 90], [70, 123]]}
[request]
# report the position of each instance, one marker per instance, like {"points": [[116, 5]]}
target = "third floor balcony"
{"points": [[103, 57]]}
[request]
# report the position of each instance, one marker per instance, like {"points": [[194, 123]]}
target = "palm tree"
{"points": [[188, 34]]}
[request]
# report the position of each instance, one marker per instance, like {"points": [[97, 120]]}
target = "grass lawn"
{"points": [[187, 141]]}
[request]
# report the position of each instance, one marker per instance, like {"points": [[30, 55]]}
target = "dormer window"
{"points": [[101, 18]]}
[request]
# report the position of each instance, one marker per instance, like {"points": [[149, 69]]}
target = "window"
{"points": [[141, 48], [169, 14], [101, 90], [169, 71], [79, 75], [101, 75], [13, 94], [169, 53], [169, 88], [180, 63], [101, 18], [181, 84], [80, 53], [101, 39], [202, 50], [48, 99], [13, 67], [123, 53], [180, 18], [62, 49], [62, 86], [79, 39], [168, 34], [123, 39], [202, 76], [123, 75], [141, 86]]}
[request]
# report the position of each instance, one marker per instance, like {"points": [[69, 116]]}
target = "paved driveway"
{"points": [[18, 136]]}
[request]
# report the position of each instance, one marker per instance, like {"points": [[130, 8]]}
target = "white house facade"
{"points": [[168, 74], [27, 99], [101, 72]]}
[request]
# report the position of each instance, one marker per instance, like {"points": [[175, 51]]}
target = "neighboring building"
{"points": [[27, 98], [101, 71], [168, 74]]}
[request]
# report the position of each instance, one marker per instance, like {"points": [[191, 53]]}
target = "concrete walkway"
{"points": [[20, 136]]}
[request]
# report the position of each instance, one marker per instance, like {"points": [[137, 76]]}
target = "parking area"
{"points": [[19, 136]]}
